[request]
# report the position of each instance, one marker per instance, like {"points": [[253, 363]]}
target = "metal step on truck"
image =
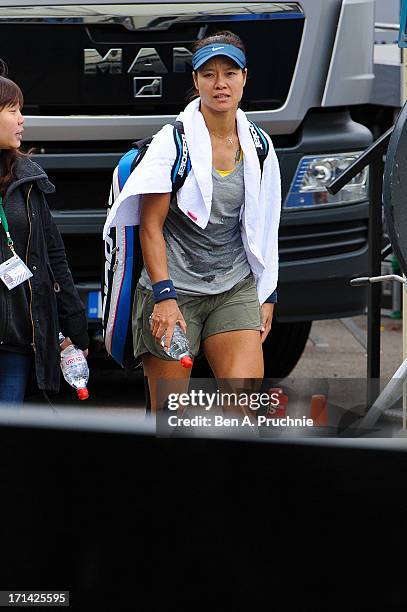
{"points": [[98, 76]]}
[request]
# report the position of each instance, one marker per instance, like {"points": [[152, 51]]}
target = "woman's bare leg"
{"points": [[235, 354], [236, 359], [157, 369]]}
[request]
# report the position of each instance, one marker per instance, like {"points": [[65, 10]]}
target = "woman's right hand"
{"points": [[67, 341], [163, 320]]}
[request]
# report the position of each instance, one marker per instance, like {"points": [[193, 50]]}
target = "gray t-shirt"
{"points": [[211, 260]]}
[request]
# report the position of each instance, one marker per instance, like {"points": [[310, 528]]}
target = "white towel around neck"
{"points": [[261, 213]]}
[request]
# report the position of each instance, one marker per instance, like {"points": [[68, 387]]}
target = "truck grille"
{"points": [[322, 240], [136, 59]]}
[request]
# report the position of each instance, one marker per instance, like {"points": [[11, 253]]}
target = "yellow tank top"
{"points": [[227, 172]]}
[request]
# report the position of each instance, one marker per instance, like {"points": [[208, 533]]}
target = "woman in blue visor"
{"points": [[210, 252]]}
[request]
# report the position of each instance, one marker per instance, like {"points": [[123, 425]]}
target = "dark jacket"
{"points": [[54, 302]]}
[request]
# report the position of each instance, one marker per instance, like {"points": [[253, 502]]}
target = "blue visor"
{"points": [[210, 51]]}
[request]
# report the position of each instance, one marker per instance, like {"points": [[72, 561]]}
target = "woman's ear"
{"points": [[244, 76], [195, 79]]}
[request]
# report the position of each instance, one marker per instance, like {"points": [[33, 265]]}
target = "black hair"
{"points": [[10, 95], [225, 37]]}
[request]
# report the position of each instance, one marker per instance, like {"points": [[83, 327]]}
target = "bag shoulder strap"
{"points": [[182, 164], [180, 169], [260, 142], [131, 159]]}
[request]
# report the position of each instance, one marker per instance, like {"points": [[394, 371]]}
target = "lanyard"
{"points": [[4, 223]]}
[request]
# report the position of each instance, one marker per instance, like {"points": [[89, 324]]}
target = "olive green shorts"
{"points": [[205, 316]]}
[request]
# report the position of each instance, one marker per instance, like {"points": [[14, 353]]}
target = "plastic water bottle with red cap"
{"points": [[179, 347], [278, 407], [75, 369]]}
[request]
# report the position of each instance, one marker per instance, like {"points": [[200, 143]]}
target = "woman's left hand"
{"points": [[267, 317]]}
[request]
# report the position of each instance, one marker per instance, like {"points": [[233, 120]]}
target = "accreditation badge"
{"points": [[13, 272]]}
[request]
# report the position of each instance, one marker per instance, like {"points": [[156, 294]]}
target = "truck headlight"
{"points": [[315, 172]]}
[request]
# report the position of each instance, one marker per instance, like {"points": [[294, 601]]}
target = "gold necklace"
{"points": [[229, 139]]}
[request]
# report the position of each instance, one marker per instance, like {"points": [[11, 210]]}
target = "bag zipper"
{"points": [[26, 263]]}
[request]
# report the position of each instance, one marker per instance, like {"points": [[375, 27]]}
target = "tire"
{"points": [[284, 346], [282, 350], [201, 368]]}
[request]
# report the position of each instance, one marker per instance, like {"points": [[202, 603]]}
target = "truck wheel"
{"points": [[201, 368], [284, 346]]}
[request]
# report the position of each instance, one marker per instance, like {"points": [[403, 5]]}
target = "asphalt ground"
{"points": [[337, 349], [334, 363]]}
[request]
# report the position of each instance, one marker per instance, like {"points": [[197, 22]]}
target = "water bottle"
{"points": [[75, 369], [277, 410], [179, 347]]}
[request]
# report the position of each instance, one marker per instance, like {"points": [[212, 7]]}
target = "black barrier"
{"points": [[128, 521], [373, 156], [395, 189]]}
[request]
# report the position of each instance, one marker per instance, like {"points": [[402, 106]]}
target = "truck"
{"points": [[387, 93], [97, 76]]}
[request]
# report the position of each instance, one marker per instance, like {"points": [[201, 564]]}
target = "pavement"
{"points": [[334, 363], [337, 349]]}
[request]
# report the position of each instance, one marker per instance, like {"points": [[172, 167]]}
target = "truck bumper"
{"points": [[327, 249], [323, 292], [310, 287]]}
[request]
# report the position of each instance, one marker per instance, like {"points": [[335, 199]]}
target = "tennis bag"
{"points": [[123, 260]]}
